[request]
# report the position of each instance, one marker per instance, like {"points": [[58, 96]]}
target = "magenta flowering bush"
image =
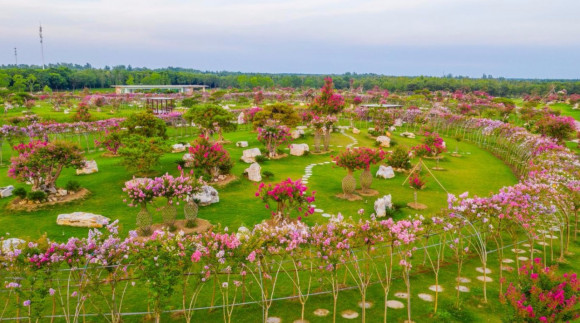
{"points": [[542, 295], [272, 136], [140, 191], [172, 188], [328, 102], [213, 159], [359, 158], [288, 196]]}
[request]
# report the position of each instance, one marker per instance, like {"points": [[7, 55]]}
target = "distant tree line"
{"points": [[73, 76]]}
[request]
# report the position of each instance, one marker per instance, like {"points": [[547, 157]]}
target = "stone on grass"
{"points": [[355, 131], [508, 261], [6, 191], [426, 297], [518, 251], [463, 280], [463, 289], [273, 319], [485, 278], [480, 270], [208, 195], [249, 155], [542, 243], [408, 135], [242, 144], [522, 258], [384, 141], [254, 172], [321, 312], [10, 244], [82, 219], [366, 304], [436, 288], [302, 128], [507, 268], [382, 204], [349, 314], [242, 118], [90, 167], [177, 148], [188, 159], [385, 172], [298, 149], [395, 304], [295, 134]]}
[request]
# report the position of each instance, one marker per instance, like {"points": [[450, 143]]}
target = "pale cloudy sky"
{"points": [[510, 38]]}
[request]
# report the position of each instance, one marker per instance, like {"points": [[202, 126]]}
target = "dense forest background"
{"points": [[73, 76]]}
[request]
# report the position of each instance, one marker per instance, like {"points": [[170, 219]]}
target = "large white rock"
{"points": [[355, 131], [208, 195], [6, 191], [188, 158], [241, 118], [408, 135], [385, 172], [384, 141], [296, 133], [382, 204], [177, 148], [9, 245], [90, 167], [254, 172], [249, 155], [298, 149], [82, 219], [242, 144]]}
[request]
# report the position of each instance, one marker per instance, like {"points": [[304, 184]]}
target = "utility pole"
{"points": [[16, 56], [41, 45]]}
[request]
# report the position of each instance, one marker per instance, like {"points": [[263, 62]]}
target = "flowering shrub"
{"points": [[328, 102], [141, 153], [289, 196], [112, 141], [42, 162], [416, 182], [359, 158], [382, 119], [140, 191], [213, 159], [172, 187], [559, 128], [543, 295], [435, 143], [272, 136], [82, 113], [399, 158]]}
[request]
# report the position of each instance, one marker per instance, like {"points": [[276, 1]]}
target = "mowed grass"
{"points": [[477, 171]]}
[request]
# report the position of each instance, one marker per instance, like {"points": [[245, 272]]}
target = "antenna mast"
{"points": [[16, 56], [41, 45]]}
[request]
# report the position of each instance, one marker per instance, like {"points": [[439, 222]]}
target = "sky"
{"points": [[502, 38]]}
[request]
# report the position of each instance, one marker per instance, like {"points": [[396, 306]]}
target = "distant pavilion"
{"points": [[160, 105], [187, 89]]}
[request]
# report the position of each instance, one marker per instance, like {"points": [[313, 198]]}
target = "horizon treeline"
{"points": [[64, 76]]}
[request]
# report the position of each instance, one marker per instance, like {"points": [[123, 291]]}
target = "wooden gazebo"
{"points": [[160, 105]]}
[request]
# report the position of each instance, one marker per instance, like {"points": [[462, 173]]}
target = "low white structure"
{"points": [[6, 191], [90, 168], [385, 172], [208, 195], [384, 141], [254, 172], [382, 204], [298, 149], [249, 155], [82, 219]]}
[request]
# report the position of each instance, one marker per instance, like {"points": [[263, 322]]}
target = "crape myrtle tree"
{"points": [[42, 162], [282, 113], [211, 118]]}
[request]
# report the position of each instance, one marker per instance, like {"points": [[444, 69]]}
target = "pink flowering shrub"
{"points": [[272, 136], [213, 159], [288, 196], [543, 295], [328, 102], [557, 127], [416, 181], [359, 158]]}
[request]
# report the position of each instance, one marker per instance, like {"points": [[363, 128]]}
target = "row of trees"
{"points": [[67, 76]]}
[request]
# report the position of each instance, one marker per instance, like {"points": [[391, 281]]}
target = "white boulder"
{"points": [[188, 158], [296, 134], [90, 167], [242, 118], [208, 195], [9, 245], [6, 191], [242, 144], [408, 135], [385, 172], [382, 204], [384, 141], [249, 155], [82, 219], [177, 148], [355, 131], [298, 149], [254, 172]]}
